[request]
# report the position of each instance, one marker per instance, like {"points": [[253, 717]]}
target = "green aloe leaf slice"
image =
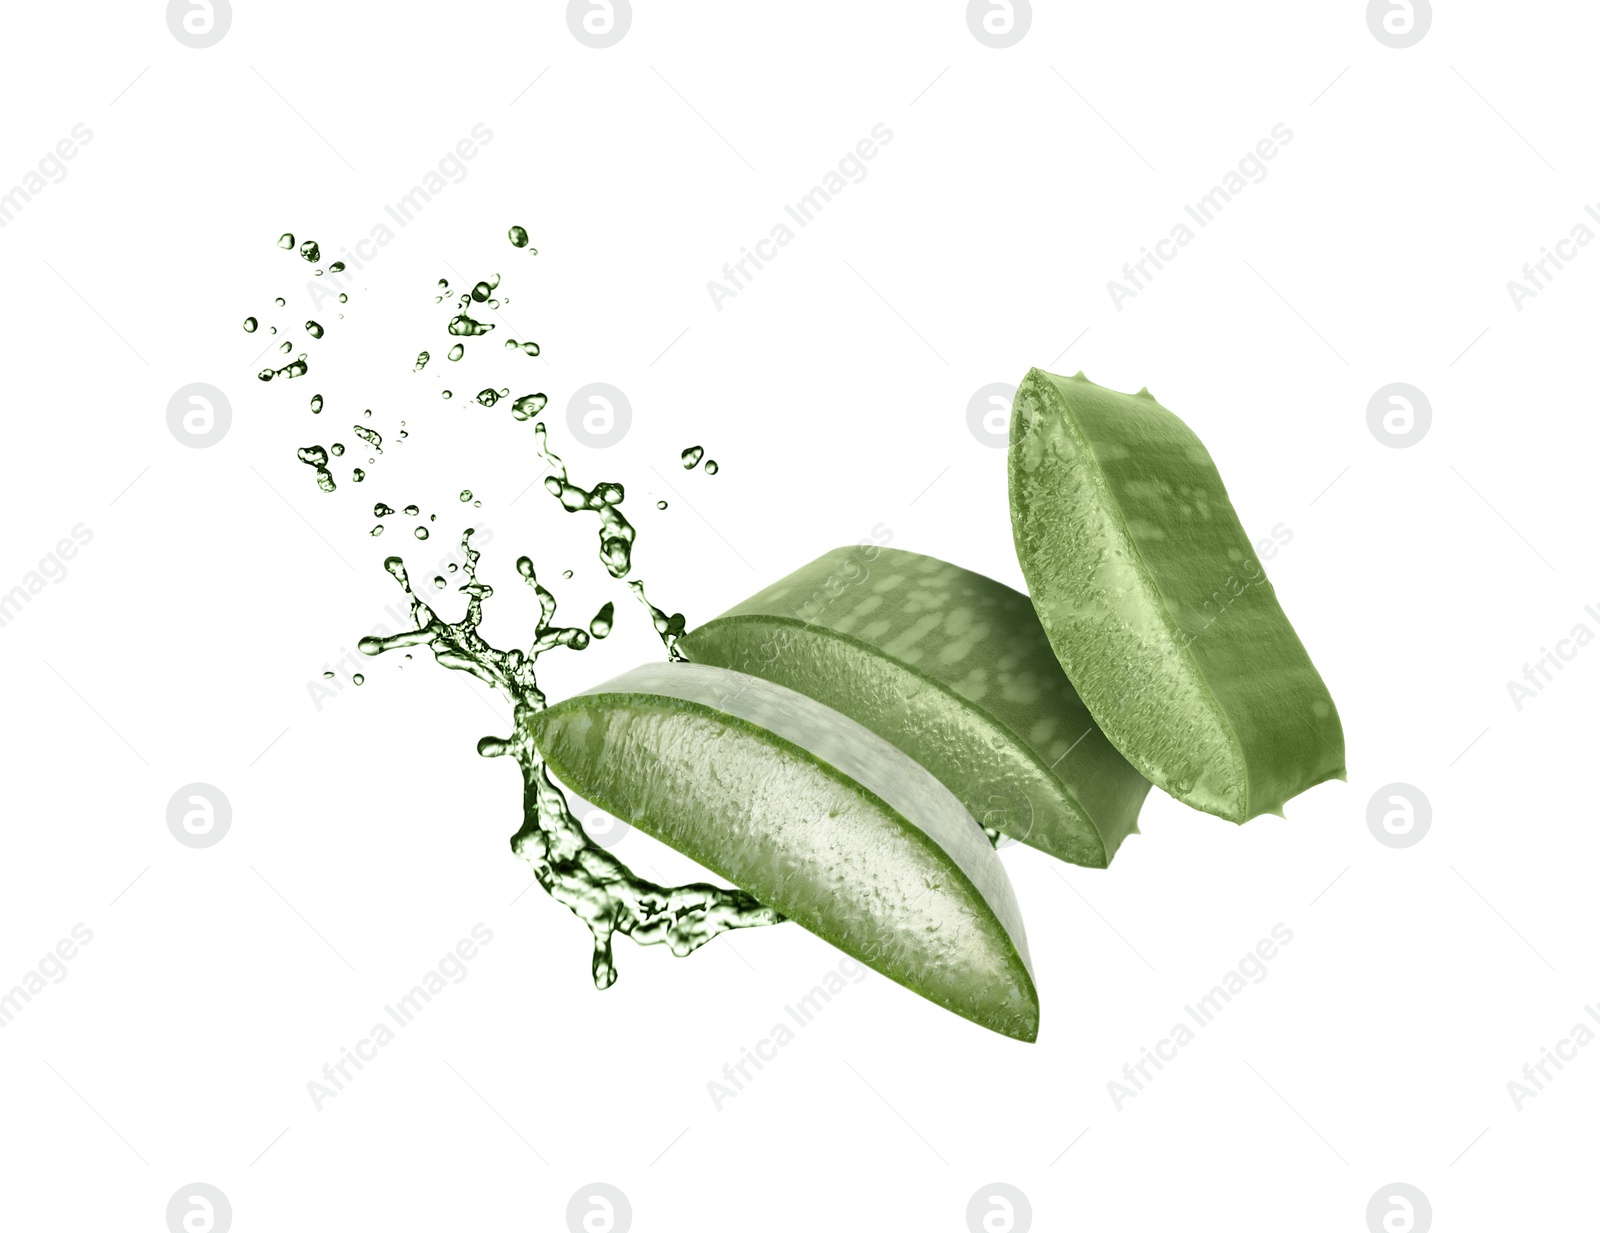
{"points": [[1155, 603], [813, 815], [955, 670]]}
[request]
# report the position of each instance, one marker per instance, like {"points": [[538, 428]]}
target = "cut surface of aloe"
{"points": [[952, 668], [1156, 605], [812, 814]]}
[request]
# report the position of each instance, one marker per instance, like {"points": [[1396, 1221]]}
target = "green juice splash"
{"points": [[576, 871]]}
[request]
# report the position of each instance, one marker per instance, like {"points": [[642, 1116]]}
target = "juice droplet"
{"points": [[336, 268], [518, 236], [358, 679], [711, 466], [488, 397], [691, 456], [456, 352], [343, 299], [439, 583], [369, 436], [421, 532], [600, 626], [422, 361], [337, 450], [317, 457], [661, 505], [285, 346], [380, 510], [357, 475], [465, 325], [411, 511], [279, 302], [480, 291], [310, 252], [466, 494], [297, 368], [286, 240], [528, 406], [313, 329], [316, 404], [250, 324]]}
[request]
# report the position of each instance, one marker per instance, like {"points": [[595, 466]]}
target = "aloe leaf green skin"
{"points": [[1155, 603], [813, 815], [955, 670]]}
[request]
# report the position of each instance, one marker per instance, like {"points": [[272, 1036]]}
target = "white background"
{"points": [[367, 837]]}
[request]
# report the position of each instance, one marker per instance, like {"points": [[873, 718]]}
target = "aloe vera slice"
{"points": [[1156, 605], [813, 815], [955, 670]]}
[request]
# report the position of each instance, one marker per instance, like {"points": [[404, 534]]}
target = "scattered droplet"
{"points": [[422, 361], [358, 679], [336, 268], [456, 352], [711, 466], [463, 324], [279, 303], [411, 511], [439, 583], [313, 329], [317, 457], [250, 324], [466, 494], [337, 450], [316, 404], [488, 397], [286, 240], [519, 237], [528, 406], [297, 368], [661, 505], [600, 626], [421, 532], [310, 252], [357, 475], [691, 456], [380, 510]]}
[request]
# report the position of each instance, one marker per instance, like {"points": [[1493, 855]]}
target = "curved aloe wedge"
{"points": [[952, 668], [813, 815], [1155, 604]]}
